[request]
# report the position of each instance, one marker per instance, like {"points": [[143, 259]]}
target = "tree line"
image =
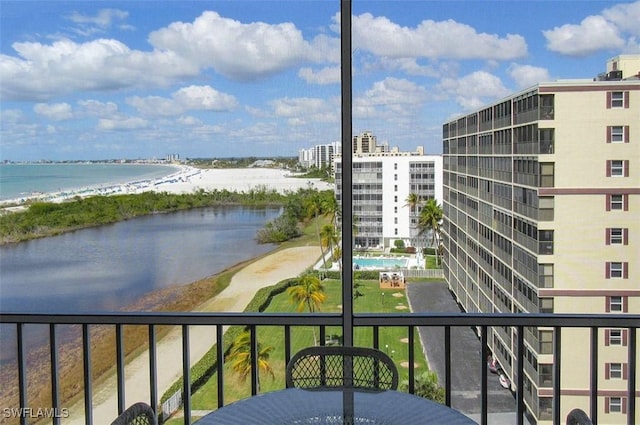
{"points": [[41, 219]]}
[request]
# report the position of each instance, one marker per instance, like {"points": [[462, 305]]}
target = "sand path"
{"points": [[262, 273]]}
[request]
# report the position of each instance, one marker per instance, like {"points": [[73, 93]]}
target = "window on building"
{"points": [[395, 165], [616, 99], [545, 275], [615, 371], [545, 242], [395, 187], [395, 232], [395, 177], [395, 210], [545, 208], [617, 202], [546, 305], [617, 236], [395, 198], [546, 174], [617, 168], [616, 304], [545, 339], [395, 220], [616, 270], [614, 405], [615, 337], [618, 134]]}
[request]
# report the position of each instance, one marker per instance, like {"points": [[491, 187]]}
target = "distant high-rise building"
{"points": [[382, 182], [542, 215]]}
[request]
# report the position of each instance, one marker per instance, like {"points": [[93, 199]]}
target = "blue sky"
{"points": [[143, 79]]}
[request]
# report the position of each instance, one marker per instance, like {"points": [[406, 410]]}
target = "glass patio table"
{"points": [[299, 406]]}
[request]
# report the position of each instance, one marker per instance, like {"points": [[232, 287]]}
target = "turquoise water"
{"points": [[19, 180], [380, 263]]}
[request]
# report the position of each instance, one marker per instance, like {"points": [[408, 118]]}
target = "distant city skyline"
{"points": [[114, 79]]}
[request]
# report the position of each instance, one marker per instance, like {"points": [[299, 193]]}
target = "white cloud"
{"points": [[474, 90], [594, 33], [131, 123], [390, 98], [154, 105], [189, 120], [54, 111], [625, 17], [329, 75], [527, 75], [431, 39], [98, 109], [44, 71], [236, 50], [102, 21], [192, 98], [204, 98], [306, 111]]}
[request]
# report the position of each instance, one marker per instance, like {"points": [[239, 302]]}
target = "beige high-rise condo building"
{"points": [[542, 214]]}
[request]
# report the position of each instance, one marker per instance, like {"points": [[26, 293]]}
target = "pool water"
{"points": [[380, 262]]}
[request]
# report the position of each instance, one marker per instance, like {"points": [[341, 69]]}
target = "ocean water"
{"points": [[21, 180]]}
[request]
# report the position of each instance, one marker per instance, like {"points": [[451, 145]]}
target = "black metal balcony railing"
{"points": [[482, 322]]}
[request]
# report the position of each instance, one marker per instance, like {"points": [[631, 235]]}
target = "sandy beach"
{"points": [[189, 180], [264, 272]]}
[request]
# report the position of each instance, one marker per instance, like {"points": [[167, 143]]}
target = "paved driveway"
{"points": [[465, 355]]}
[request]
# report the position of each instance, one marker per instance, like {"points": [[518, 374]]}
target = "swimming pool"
{"points": [[380, 262]]}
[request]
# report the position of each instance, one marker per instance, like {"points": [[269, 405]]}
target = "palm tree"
{"points": [[330, 206], [412, 201], [309, 293], [328, 237], [429, 220], [240, 357], [314, 209]]}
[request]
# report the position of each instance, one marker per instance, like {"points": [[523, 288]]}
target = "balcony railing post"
{"points": [[153, 369], [557, 365], [631, 411], [55, 377], [120, 368], [447, 365], [520, 378], [254, 360], [412, 378], [86, 351], [186, 375], [220, 364], [22, 371], [593, 371], [484, 355]]}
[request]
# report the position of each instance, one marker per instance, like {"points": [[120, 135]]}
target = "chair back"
{"points": [[578, 417], [338, 367], [137, 414]]}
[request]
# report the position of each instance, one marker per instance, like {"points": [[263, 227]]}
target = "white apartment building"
{"points": [[382, 183], [319, 156], [542, 214]]}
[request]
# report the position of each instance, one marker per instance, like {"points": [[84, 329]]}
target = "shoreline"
{"points": [[260, 272], [187, 179]]}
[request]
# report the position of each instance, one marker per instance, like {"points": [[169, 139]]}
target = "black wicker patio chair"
{"points": [[137, 414], [326, 367], [578, 417]]}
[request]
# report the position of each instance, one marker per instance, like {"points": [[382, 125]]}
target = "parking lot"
{"points": [[465, 356]]}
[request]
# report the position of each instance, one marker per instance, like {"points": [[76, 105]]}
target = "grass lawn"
{"points": [[392, 340]]}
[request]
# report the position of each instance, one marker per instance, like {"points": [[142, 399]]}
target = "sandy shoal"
{"points": [[264, 272]]}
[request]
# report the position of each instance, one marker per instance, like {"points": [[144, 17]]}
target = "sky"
{"points": [[91, 80]]}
